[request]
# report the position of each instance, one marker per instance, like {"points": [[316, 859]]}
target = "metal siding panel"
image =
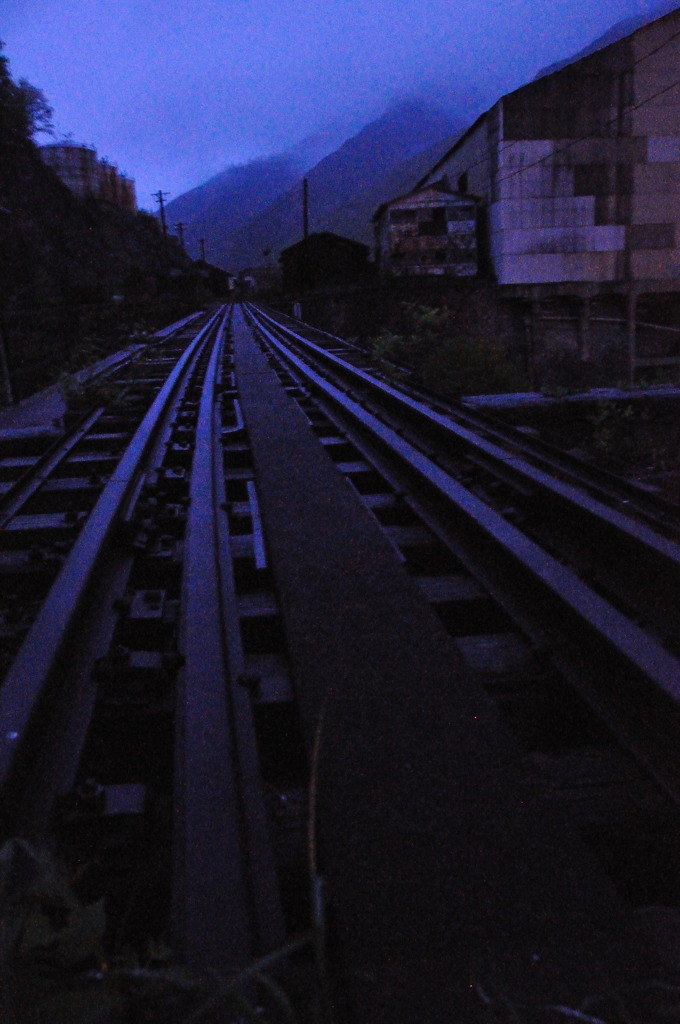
{"points": [[570, 211], [658, 117], [556, 268], [651, 236], [655, 208], [657, 178], [649, 82], [663, 148], [660, 264], [562, 240]]}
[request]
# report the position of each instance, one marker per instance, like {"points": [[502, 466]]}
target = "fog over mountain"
{"points": [[617, 31], [175, 94], [248, 214], [257, 208]]}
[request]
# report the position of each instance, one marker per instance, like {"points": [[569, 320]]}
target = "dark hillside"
{"points": [[249, 210], [62, 259], [363, 164], [354, 217], [221, 205]]}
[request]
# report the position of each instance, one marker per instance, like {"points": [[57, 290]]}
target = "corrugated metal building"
{"points": [[430, 231], [580, 169], [324, 259], [81, 170], [578, 173]]}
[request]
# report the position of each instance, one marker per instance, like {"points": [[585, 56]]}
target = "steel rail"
{"points": [[616, 666], [600, 484], [29, 482], [644, 564], [31, 677], [226, 903]]}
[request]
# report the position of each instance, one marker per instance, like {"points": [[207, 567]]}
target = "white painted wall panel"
{"points": [[556, 268], [534, 181], [569, 211], [556, 240], [663, 148]]}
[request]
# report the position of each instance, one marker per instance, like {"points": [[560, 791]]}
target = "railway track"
{"points": [[574, 515], [609, 489], [197, 623]]}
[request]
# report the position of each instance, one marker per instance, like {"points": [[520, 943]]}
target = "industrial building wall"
{"points": [[86, 175], [471, 164], [655, 216], [581, 169]]}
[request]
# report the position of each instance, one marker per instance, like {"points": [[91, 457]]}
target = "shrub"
{"points": [[445, 357]]}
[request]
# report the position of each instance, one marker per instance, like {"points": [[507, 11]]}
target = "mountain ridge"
{"points": [[241, 221], [618, 30], [248, 212]]}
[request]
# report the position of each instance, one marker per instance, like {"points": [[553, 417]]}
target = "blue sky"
{"points": [[175, 92]]}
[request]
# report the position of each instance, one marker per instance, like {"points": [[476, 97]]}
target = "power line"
{"points": [[594, 92], [159, 197], [572, 142]]}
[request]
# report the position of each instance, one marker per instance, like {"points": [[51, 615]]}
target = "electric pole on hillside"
{"points": [[202, 244], [179, 227], [305, 209], [159, 197], [306, 269]]}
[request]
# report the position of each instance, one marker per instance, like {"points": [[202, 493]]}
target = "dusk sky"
{"points": [[175, 92]]}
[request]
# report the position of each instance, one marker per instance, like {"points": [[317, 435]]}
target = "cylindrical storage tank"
{"points": [[75, 165], [128, 197]]}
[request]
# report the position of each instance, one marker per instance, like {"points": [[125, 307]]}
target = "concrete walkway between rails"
{"points": [[45, 408], [445, 869]]}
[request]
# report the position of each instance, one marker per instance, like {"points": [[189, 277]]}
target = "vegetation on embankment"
{"points": [[446, 356], [636, 436], [73, 272]]}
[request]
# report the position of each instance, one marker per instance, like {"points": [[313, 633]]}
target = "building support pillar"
{"points": [[584, 347], [536, 340], [631, 331]]}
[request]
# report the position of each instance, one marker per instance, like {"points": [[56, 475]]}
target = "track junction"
{"points": [[288, 648]]}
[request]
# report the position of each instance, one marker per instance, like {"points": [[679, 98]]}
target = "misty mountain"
{"points": [[311, 150], [353, 218], [247, 211], [617, 31], [214, 210]]}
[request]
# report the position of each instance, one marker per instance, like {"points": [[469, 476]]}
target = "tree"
{"points": [[37, 111], [24, 110], [445, 354]]}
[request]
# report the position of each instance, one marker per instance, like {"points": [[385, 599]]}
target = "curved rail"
{"points": [[27, 682], [616, 553], [601, 485], [610, 659]]}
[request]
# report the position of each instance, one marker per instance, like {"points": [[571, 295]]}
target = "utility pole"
{"points": [[7, 391], [202, 244], [159, 197], [306, 269], [305, 209], [180, 231]]}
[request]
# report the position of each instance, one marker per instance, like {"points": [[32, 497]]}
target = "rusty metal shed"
{"points": [[432, 230]]}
